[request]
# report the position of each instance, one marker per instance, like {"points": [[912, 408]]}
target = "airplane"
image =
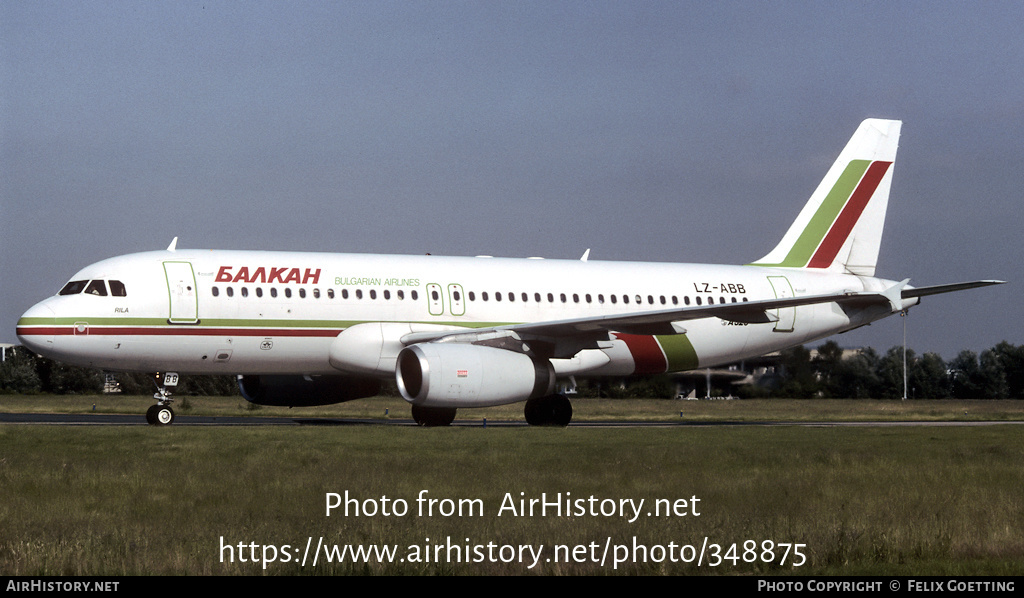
{"points": [[300, 329]]}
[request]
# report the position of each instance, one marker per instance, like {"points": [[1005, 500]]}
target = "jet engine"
{"points": [[462, 375], [305, 391]]}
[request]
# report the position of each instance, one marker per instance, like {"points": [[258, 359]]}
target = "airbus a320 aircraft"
{"points": [[317, 328]]}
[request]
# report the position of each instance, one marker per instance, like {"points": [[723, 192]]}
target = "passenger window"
{"points": [[74, 287], [96, 287], [215, 291], [117, 289]]}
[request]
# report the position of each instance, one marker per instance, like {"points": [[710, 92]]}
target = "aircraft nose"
{"points": [[36, 328]]}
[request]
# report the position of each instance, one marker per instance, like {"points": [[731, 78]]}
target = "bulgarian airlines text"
{"points": [[602, 552]]}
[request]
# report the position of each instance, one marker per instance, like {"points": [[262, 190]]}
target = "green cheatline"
{"points": [[819, 225], [222, 323], [679, 352]]}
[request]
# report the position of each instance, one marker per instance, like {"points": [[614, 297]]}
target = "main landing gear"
{"points": [[161, 414], [433, 416], [552, 410]]}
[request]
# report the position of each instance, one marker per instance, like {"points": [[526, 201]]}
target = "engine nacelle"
{"points": [[372, 348], [305, 391], [461, 375]]}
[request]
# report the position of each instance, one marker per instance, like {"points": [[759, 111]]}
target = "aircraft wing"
{"points": [[672, 321]]}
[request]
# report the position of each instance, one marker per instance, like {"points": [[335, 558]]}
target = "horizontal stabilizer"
{"points": [[947, 288]]}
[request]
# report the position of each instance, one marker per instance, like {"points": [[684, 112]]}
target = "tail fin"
{"points": [[840, 228]]}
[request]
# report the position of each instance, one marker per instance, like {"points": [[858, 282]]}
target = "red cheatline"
{"points": [[847, 219]]}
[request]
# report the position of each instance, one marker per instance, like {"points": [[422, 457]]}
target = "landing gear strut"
{"points": [[552, 410], [433, 416], [161, 414]]}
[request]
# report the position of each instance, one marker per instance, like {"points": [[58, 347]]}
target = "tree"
{"points": [[974, 378], [62, 379], [993, 377], [1011, 359], [18, 373], [890, 373], [829, 367], [799, 378], [929, 378]]}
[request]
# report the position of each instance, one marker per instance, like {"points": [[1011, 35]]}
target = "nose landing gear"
{"points": [[161, 414]]}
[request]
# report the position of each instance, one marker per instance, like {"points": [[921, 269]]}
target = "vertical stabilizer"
{"points": [[840, 228]]}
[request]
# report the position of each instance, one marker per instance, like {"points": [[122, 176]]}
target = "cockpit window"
{"points": [[74, 287], [96, 287]]}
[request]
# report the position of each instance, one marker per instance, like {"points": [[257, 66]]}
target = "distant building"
{"points": [[761, 371]]}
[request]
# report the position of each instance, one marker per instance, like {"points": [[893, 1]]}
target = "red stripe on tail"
{"points": [[847, 219]]}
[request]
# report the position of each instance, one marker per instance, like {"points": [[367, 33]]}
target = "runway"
{"points": [[101, 419]]}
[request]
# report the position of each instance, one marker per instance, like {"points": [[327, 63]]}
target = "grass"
{"points": [[650, 410], [864, 501]]}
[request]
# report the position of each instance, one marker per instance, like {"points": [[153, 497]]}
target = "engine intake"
{"points": [[460, 375]]}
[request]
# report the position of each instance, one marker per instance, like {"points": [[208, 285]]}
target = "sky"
{"points": [[645, 131]]}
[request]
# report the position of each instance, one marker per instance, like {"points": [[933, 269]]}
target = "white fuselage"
{"points": [[257, 312]]}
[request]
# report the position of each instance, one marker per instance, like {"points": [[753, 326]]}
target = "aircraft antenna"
{"points": [[174, 244]]}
